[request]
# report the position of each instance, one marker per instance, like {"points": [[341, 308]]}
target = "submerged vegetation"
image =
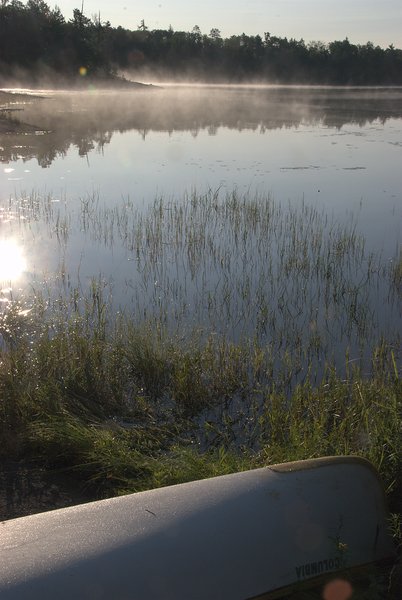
{"points": [[288, 277], [249, 334]]}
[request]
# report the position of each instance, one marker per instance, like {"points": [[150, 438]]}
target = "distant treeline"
{"points": [[36, 40]]}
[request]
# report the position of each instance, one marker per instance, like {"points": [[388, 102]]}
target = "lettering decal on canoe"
{"points": [[317, 568]]}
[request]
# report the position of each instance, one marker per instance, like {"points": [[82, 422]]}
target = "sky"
{"points": [[378, 21]]}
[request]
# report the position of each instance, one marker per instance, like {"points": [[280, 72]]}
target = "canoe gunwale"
{"points": [[313, 463]]}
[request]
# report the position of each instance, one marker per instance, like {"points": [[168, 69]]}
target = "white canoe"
{"points": [[239, 536]]}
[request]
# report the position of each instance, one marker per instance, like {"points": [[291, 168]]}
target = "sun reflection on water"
{"points": [[12, 260]]}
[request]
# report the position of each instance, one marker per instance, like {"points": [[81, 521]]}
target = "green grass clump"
{"points": [[353, 416], [127, 407]]}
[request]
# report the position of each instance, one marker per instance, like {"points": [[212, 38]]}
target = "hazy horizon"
{"points": [[378, 21]]}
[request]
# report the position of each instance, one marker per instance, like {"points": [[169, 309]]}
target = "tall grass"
{"points": [[290, 277], [129, 407]]}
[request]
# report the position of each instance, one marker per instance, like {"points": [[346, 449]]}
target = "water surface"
{"points": [[77, 196]]}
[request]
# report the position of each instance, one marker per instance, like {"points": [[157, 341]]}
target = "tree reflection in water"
{"points": [[87, 120]]}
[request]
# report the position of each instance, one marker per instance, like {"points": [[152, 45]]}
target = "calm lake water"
{"points": [[77, 202]]}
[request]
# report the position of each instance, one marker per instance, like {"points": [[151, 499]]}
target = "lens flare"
{"points": [[12, 260], [338, 589]]}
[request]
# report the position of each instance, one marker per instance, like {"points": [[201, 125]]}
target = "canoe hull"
{"points": [[238, 536]]}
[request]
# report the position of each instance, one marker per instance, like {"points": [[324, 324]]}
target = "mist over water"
{"points": [[91, 182], [337, 148]]}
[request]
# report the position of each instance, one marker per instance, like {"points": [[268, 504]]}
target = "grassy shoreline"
{"points": [[126, 408]]}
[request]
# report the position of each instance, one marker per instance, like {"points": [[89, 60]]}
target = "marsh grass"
{"points": [[243, 266], [129, 407], [396, 277]]}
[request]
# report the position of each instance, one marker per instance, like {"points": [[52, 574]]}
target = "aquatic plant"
{"points": [[290, 277]]}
